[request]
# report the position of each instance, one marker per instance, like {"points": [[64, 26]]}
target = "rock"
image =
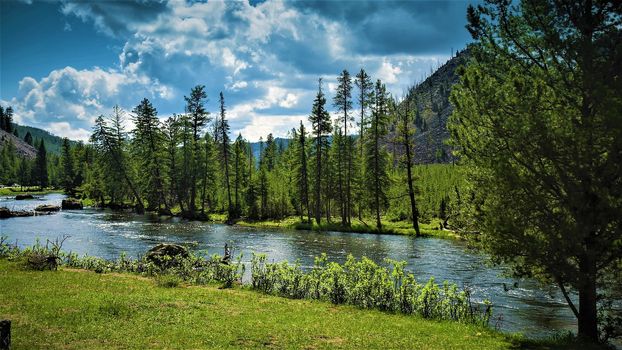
{"points": [[5, 213], [158, 253], [47, 208], [71, 203], [20, 197]]}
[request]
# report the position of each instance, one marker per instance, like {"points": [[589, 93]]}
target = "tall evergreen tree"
{"points": [[223, 128], [376, 177], [198, 117], [405, 133], [28, 138], [343, 102], [41, 166], [147, 145], [320, 120], [68, 174], [303, 176]]}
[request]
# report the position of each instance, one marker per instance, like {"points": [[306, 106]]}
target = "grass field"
{"points": [[74, 309]]}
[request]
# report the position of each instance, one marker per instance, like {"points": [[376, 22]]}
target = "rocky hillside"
{"points": [[21, 148], [432, 98]]}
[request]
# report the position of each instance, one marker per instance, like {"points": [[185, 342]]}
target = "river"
{"points": [[524, 307]]}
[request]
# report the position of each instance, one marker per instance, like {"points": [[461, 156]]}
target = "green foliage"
{"points": [[365, 284], [541, 136]]}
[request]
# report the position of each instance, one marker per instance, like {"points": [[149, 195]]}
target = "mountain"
{"points": [[432, 98], [21, 147], [52, 142]]}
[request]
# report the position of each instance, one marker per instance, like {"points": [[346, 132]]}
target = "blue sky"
{"points": [[63, 63]]}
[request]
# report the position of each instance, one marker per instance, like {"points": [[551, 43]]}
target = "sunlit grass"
{"points": [[75, 309]]}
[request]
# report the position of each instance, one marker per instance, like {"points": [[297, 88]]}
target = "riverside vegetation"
{"points": [[536, 129]]}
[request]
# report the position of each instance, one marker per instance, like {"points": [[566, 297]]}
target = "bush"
{"points": [[365, 284]]}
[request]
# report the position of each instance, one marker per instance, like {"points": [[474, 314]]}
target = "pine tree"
{"points": [[303, 176], [41, 165], [343, 102], [8, 119], [405, 132], [320, 120], [198, 117], [376, 178], [223, 128], [68, 174], [28, 138], [147, 145], [365, 87]]}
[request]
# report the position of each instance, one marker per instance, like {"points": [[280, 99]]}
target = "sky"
{"points": [[63, 63]]}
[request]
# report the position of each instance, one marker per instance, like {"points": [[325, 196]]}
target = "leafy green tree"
{"points": [[538, 121], [320, 120]]}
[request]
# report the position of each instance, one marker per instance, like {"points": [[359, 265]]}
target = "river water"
{"points": [[524, 307]]}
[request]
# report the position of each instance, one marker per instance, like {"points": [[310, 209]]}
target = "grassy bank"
{"points": [[80, 309], [430, 229], [12, 191]]}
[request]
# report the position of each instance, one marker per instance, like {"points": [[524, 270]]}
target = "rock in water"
{"points": [[47, 208], [5, 213], [71, 203], [158, 254], [20, 197]]}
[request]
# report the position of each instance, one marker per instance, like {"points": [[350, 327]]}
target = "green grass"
{"points": [[12, 191], [74, 309], [366, 226]]}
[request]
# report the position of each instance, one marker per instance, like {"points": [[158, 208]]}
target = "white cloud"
{"points": [[388, 73], [267, 58]]}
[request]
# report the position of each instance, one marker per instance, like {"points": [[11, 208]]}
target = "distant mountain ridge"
{"points": [[53, 143]]}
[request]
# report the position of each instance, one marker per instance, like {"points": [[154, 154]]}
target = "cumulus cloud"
{"points": [[266, 57], [67, 101]]}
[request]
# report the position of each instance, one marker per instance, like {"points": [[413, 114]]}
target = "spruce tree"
{"points": [[197, 119], [41, 166], [68, 174], [376, 177], [343, 102], [320, 120]]}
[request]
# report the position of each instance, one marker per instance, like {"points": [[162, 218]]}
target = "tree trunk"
{"points": [[588, 314]]}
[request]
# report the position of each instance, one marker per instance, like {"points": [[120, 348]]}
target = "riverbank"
{"points": [[431, 229], [75, 309], [81, 309], [35, 190]]}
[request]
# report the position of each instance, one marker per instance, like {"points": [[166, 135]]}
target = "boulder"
{"points": [[20, 197], [47, 208], [71, 203], [5, 213], [158, 254]]}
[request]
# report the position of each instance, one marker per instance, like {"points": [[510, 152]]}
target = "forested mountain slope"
{"points": [[22, 149], [433, 109], [52, 142]]}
